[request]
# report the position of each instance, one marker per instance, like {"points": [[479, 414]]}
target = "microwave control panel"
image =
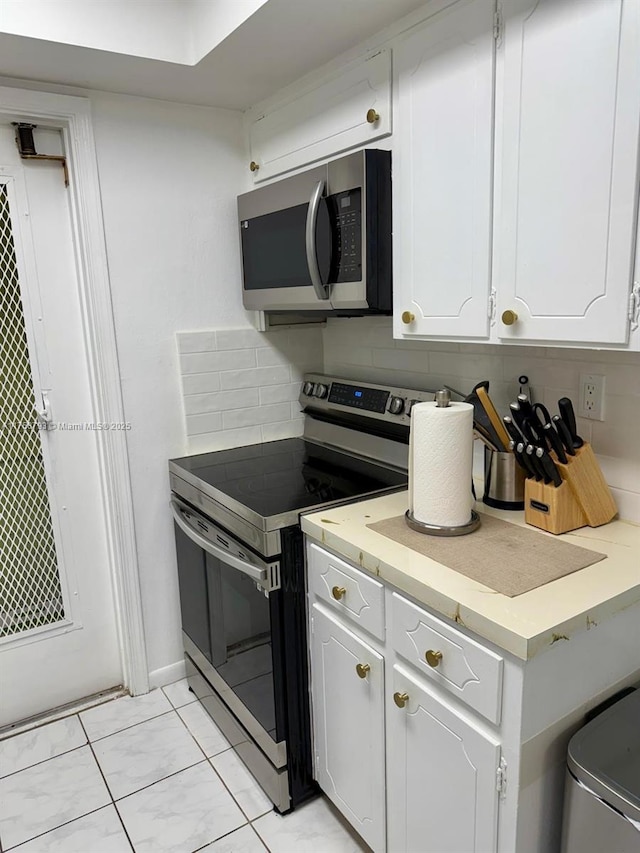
{"points": [[346, 215]]}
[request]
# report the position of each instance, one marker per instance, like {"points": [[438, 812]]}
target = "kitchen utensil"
{"points": [[541, 412], [565, 435], [503, 481], [494, 417], [552, 509], [555, 442], [565, 407], [523, 381], [588, 486], [512, 429], [530, 450], [526, 461], [481, 422], [525, 405], [549, 467]]}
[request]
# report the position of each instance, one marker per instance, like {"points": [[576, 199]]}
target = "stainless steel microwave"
{"points": [[320, 240]]}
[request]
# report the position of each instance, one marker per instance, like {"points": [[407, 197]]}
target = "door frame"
{"points": [[72, 116]]}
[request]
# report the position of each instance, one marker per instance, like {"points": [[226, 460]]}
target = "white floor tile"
{"points": [[143, 754], [243, 840], [121, 713], [179, 694], [47, 795], [248, 794], [204, 730], [98, 832], [311, 828], [181, 813], [39, 744]]}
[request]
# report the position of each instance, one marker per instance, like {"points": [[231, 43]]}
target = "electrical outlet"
{"points": [[591, 403]]}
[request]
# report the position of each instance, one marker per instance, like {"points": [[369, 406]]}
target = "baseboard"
{"points": [[167, 674]]}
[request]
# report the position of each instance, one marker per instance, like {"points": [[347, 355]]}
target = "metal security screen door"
{"points": [[30, 587], [58, 634]]}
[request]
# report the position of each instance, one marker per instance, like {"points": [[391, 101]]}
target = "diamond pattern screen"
{"points": [[30, 591]]}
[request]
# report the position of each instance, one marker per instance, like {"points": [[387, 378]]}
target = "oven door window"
{"points": [[240, 639]]}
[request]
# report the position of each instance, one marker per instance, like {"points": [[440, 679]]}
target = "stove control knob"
{"points": [[396, 406], [321, 390], [307, 389]]}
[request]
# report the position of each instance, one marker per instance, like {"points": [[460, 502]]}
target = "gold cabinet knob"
{"points": [[372, 116], [338, 592], [509, 317], [362, 669], [401, 699], [433, 658], [408, 317], [254, 166]]}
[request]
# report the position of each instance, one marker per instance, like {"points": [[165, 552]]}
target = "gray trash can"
{"points": [[602, 790]]}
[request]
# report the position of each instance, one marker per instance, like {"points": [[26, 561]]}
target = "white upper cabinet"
{"points": [[442, 174], [348, 109], [570, 114]]}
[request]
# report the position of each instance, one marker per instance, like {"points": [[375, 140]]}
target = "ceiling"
{"points": [[274, 46]]}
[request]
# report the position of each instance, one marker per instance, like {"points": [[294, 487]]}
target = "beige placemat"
{"points": [[502, 556]]}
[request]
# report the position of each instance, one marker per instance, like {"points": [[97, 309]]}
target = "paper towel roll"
{"points": [[440, 463]]}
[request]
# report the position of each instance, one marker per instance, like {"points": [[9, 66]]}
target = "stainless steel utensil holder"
{"points": [[503, 481]]}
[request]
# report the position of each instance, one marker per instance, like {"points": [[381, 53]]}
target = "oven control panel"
{"points": [[326, 393]]}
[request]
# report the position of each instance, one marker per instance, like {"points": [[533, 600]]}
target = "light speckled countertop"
{"points": [[523, 625]]}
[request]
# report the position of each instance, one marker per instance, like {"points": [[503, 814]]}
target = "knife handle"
{"points": [[565, 407], [555, 442], [525, 405], [512, 429], [536, 464], [564, 434], [526, 461], [549, 467]]}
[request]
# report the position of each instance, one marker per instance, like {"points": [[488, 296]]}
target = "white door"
{"points": [[441, 775], [442, 174], [348, 725], [58, 638], [570, 112]]}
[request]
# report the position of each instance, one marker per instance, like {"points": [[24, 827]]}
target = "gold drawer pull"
{"points": [[338, 592], [408, 317], [401, 699], [372, 116], [433, 658], [509, 317], [254, 166], [362, 669]]}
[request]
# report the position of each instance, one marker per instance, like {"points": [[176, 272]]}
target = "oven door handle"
{"points": [[257, 574], [321, 290]]}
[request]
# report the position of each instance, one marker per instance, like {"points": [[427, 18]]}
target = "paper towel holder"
{"points": [[440, 530], [443, 399]]}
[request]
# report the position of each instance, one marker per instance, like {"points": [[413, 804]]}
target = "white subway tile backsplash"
{"points": [[279, 393], [200, 383], [283, 429], [196, 341], [198, 424], [221, 401], [241, 386], [255, 415], [241, 339], [207, 362], [231, 379]]}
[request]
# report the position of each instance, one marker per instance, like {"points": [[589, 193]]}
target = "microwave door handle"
{"points": [[321, 290], [254, 572]]}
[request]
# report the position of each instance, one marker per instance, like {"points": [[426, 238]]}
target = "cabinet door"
{"points": [[442, 174], [329, 117], [442, 794], [570, 109], [348, 725]]}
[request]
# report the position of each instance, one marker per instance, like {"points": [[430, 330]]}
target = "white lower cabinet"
{"points": [[348, 724], [441, 771], [412, 770]]}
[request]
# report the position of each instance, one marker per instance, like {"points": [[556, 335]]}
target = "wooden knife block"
{"points": [[582, 499]]}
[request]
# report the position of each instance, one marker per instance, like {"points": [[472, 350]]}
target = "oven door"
{"points": [[230, 606]]}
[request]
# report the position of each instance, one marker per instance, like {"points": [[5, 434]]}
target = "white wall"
{"points": [[169, 178], [364, 349]]}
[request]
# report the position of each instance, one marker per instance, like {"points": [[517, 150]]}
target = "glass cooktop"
{"points": [[291, 475]]}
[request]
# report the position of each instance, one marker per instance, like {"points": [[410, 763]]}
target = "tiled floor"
{"points": [[152, 774]]}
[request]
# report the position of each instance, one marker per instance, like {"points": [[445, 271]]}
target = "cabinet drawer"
{"points": [[458, 664], [347, 590]]}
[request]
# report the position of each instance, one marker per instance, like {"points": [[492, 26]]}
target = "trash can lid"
{"points": [[605, 755]]}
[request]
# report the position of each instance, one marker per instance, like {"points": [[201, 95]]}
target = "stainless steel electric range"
{"points": [[241, 564]]}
